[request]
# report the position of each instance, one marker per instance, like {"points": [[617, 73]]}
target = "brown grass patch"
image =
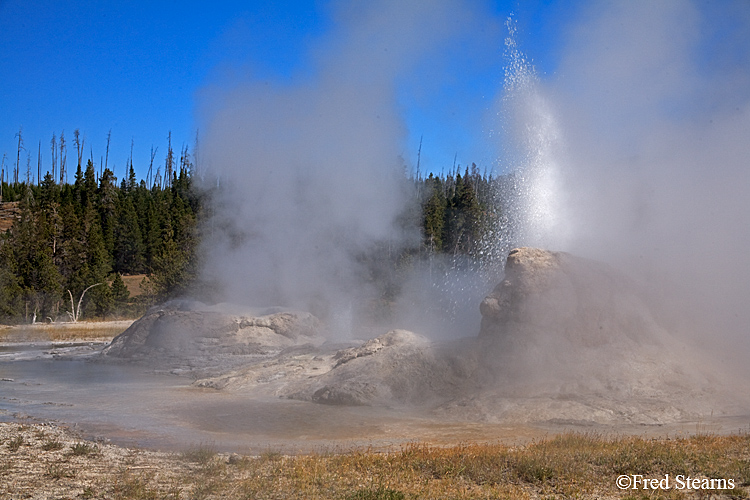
{"points": [[133, 284], [570, 465], [62, 332]]}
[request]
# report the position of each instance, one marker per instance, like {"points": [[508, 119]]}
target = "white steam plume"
{"points": [[653, 99], [310, 173]]}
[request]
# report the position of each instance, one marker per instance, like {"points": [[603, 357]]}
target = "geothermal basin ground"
{"points": [[565, 344], [571, 375]]}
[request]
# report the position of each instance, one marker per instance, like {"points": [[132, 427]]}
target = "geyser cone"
{"points": [[559, 326]]}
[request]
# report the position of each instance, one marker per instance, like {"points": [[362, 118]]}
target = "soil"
{"points": [[42, 461], [10, 212]]}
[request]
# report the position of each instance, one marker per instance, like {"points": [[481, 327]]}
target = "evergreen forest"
{"points": [[69, 247]]}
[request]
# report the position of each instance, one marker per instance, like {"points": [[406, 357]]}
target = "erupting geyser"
{"points": [[563, 338], [620, 253]]}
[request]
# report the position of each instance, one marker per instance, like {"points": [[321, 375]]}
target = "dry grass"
{"points": [[64, 332], [133, 284], [566, 466]]}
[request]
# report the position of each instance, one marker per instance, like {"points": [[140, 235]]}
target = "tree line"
{"points": [[458, 212], [73, 243], [78, 238]]}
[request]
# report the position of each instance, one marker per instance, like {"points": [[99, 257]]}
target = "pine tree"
{"points": [[108, 198], [434, 215], [464, 219], [119, 292], [98, 263], [30, 260], [128, 245], [89, 184], [72, 236], [132, 181], [11, 293]]}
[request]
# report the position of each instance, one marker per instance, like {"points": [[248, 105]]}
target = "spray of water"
{"points": [[651, 174], [527, 209], [530, 196]]}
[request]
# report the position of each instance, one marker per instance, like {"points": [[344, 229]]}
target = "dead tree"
{"points": [[28, 169], [151, 166], [78, 141], [185, 164], [75, 313], [53, 145], [63, 158], [39, 165], [18, 156], [106, 155], [169, 166]]}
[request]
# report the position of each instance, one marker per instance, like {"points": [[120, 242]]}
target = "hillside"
{"points": [[10, 212]]}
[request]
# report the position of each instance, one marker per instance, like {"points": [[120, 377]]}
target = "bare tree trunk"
{"points": [[169, 167], [91, 158], [53, 144], [39, 165], [151, 166], [18, 156], [75, 314], [184, 160], [78, 141], [106, 155], [63, 158]]}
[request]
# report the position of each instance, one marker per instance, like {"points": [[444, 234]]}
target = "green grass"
{"points": [[84, 449], [201, 454], [52, 445], [15, 443]]}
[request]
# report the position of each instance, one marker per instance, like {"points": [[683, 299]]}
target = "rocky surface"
{"points": [[563, 339], [200, 340], [398, 368], [42, 461], [568, 338]]}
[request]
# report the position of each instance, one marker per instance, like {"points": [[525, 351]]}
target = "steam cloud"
{"points": [[641, 139], [653, 102], [310, 171]]}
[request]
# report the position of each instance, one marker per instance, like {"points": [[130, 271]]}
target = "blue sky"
{"points": [[137, 68]]}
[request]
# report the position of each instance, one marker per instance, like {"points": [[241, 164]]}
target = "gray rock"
{"points": [[399, 367], [188, 337], [576, 339]]}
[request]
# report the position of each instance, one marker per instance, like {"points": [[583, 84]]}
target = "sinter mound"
{"points": [[563, 339], [566, 338], [188, 337]]}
